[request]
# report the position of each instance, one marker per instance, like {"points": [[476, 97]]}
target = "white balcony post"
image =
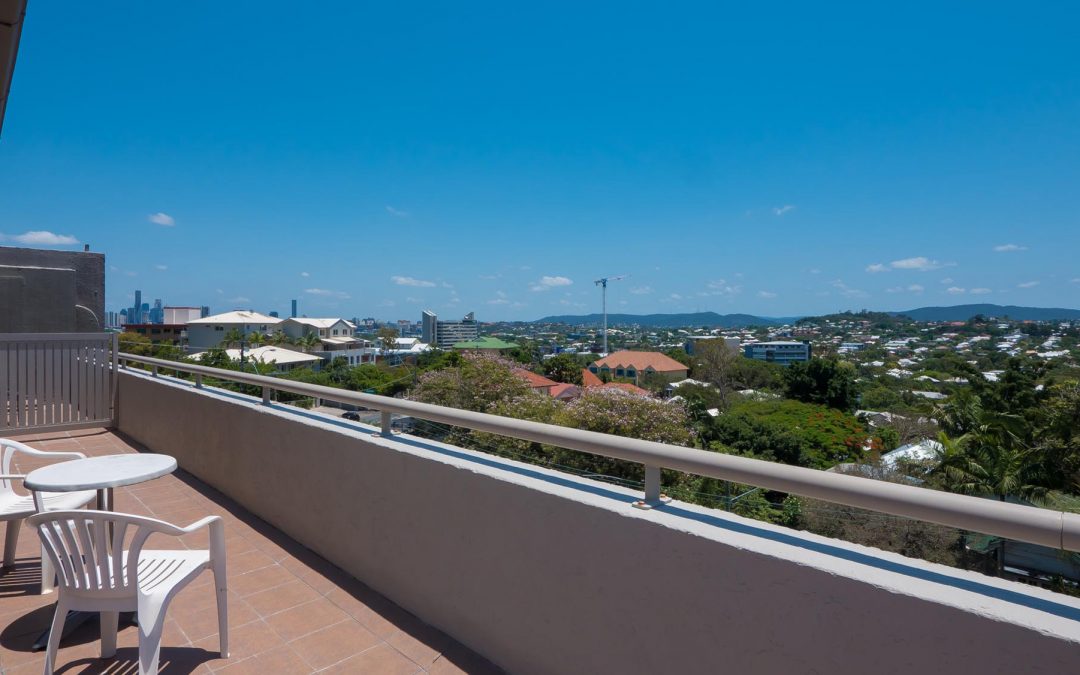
{"points": [[387, 427], [198, 381], [266, 395]]}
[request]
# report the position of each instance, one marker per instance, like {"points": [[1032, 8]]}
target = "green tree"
{"points": [[826, 381], [563, 368], [309, 342], [387, 337]]}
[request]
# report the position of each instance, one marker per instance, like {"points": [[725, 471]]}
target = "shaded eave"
{"points": [[12, 13]]}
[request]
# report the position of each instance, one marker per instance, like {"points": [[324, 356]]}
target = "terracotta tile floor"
{"points": [[290, 611]]}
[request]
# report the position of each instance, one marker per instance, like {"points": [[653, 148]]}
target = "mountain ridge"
{"points": [[741, 320]]}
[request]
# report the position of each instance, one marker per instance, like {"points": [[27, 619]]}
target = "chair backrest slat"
{"points": [[86, 557]]}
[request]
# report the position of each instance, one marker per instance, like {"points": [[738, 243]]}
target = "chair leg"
{"points": [[110, 622], [55, 634], [48, 574], [222, 591], [151, 625], [11, 541]]}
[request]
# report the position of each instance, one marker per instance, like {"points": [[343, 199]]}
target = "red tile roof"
{"points": [[566, 391], [626, 386], [641, 361], [535, 381], [588, 379]]}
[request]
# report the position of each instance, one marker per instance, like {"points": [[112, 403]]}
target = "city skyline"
{"points": [[499, 161]]}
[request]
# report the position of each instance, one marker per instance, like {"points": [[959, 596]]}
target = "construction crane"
{"points": [[602, 283]]}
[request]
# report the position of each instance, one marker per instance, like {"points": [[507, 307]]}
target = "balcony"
{"points": [[436, 557], [290, 611]]}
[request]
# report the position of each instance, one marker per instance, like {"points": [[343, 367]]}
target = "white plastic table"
{"points": [[99, 473], [94, 473]]}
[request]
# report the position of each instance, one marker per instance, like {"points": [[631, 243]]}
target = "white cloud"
{"points": [[160, 218], [1028, 284], [847, 291], [1006, 248], [490, 277], [946, 280], [326, 293], [641, 290], [955, 290], [498, 301], [1076, 280], [42, 238], [721, 287], [413, 300], [919, 264], [814, 271], [305, 274], [781, 210], [501, 294], [675, 296], [876, 267], [912, 288], [397, 212], [766, 294], [980, 291], [547, 283], [410, 281], [239, 300], [161, 267]]}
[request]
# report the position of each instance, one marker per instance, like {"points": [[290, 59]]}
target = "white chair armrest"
{"points": [[27, 450], [217, 533], [12, 476]]}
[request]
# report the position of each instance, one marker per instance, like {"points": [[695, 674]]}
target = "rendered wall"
{"points": [[45, 291], [543, 574]]}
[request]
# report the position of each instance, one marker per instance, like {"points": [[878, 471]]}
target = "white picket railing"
{"points": [[54, 381]]}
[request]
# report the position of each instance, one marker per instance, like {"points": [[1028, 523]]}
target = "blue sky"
{"points": [[376, 159]]}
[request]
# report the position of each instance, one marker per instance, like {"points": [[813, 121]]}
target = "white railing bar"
{"points": [[1056, 529]]}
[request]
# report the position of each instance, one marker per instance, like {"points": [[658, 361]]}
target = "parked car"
{"points": [[353, 416]]}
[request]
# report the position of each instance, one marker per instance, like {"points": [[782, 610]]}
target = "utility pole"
{"points": [[602, 283]]}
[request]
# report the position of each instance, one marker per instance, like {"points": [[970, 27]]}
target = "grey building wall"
{"points": [[51, 291]]}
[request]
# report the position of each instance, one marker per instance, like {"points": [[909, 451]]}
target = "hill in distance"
{"points": [[710, 319], [1014, 312], [714, 320]]}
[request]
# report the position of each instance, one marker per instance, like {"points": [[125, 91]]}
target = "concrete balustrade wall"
{"points": [[546, 573]]}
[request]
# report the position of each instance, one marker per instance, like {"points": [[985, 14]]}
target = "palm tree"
{"points": [[308, 342], [991, 461], [278, 337], [234, 336], [256, 339]]}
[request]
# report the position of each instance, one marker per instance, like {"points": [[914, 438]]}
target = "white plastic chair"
{"points": [[14, 508], [96, 574]]}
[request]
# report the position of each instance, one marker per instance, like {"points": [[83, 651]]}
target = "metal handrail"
{"points": [[1056, 529]]}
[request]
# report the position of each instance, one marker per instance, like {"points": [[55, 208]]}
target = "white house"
{"points": [[209, 332], [299, 327]]}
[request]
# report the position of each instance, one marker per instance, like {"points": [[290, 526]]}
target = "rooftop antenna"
{"points": [[602, 283]]}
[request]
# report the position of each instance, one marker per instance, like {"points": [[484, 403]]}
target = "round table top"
{"points": [[97, 473]]}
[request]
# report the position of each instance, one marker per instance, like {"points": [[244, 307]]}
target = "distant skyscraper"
{"points": [[274, 314], [135, 315], [157, 313], [294, 309], [443, 334], [205, 312]]}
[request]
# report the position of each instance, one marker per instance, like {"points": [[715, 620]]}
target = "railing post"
{"points": [[266, 395], [198, 381], [387, 426], [653, 495], [153, 371]]}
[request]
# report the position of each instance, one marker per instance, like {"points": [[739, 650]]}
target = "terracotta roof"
{"points": [[561, 390], [588, 379], [642, 361], [535, 381], [626, 386]]}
